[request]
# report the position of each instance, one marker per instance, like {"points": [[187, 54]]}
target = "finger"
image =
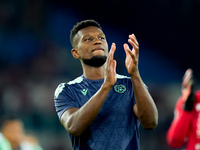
{"points": [[128, 51], [111, 53], [113, 48], [132, 40], [114, 64], [132, 37], [135, 47], [187, 77]]}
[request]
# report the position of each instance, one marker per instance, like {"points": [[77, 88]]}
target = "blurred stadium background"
{"points": [[35, 56]]}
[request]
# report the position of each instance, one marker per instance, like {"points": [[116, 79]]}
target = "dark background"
{"points": [[35, 56]]}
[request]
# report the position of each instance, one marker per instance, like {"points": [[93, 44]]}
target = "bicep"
{"points": [[66, 115]]}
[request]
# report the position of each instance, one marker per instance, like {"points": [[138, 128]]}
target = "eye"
{"points": [[101, 38], [88, 39]]}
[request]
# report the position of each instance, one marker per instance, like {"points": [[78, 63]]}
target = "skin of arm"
{"points": [[77, 120], [145, 108]]}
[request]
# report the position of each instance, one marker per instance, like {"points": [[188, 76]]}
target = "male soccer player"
{"points": [[102, 109]]}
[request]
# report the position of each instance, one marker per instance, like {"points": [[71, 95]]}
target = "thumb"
{"points": [[126, 49]]}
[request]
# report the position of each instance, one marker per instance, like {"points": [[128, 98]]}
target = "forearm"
{"points": [[179, 129], [180, 125], [81, 119], [146, 109]]}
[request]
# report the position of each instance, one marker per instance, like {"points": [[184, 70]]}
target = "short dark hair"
{"points": [[8, 117], [81, 25]]}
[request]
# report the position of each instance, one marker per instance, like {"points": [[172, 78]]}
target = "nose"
{"points": [[97, 41]]}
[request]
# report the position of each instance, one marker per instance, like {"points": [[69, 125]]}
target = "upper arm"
{"points": [[135, 110], [64, 119], [64, 101]]}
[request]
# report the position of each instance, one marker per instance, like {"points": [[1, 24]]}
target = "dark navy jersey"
{"points": [[115, 127]]}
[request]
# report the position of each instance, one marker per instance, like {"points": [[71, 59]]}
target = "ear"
{"points": [[75, 53]]}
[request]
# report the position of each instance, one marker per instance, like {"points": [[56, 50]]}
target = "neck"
{"points": [[93, 73]]}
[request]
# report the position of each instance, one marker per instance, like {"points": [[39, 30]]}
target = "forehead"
{"points": [[91, 30], [13, 125]]}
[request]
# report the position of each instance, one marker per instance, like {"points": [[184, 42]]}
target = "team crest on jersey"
{"points": [[120, 88]]}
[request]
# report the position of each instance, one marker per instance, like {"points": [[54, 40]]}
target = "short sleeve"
{"points": [[63, 99]]}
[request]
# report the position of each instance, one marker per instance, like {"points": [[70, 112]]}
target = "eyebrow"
{"points": [[101, 34]]}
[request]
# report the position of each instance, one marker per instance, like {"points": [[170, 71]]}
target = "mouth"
{"points": [[98, 49]]}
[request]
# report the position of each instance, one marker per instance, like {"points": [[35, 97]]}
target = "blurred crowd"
{"points": [[35, 57], [31, 66]]}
